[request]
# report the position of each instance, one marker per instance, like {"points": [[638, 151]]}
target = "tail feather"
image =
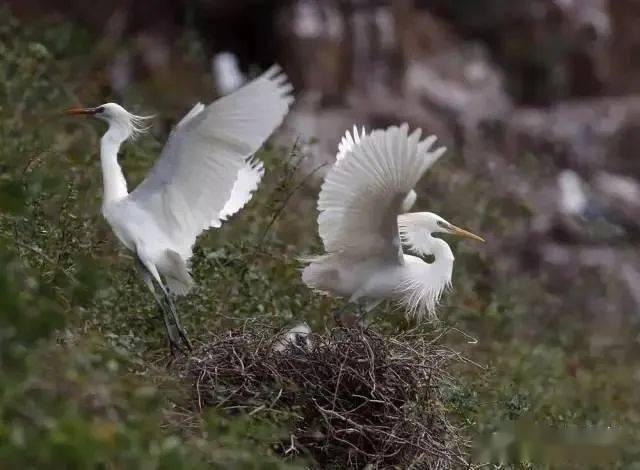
{"points": [[178, 278]]}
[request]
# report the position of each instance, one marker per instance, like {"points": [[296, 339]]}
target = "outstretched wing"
{"points": [[349, 141], [346, 145], [190, 186], [365, 190], [249, 178]]}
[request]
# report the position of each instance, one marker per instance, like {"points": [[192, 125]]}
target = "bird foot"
{"points": [[178, 340], [175, 349], [185, 340]]}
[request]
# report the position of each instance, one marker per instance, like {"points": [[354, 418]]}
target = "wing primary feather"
{"points": [[370, 184], [207, 170]]}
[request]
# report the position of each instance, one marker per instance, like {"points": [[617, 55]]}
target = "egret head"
{"points": [[116, 116], [433, 223]]}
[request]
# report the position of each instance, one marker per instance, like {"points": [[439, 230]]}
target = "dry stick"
{"points": [[198, 391], [335, 392], [285, 202], [34, 161], [368, 360], [356, 426], [292, 447], [43, 256]]}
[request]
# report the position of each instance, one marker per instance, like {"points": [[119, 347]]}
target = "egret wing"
{"points": [[349, 141], [197, 109], [346, 145], [194, 178], [364, 191], [249, 178]]}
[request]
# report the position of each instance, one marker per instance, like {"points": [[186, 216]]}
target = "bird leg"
{"points": [[365, 309], [174, 335], [176, 321], [171, 335], [338, 314], [362, 313]]}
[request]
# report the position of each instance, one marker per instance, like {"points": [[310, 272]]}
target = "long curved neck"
{"points": [[425, 282], [421, 241], [115, 185], [443, 256]]}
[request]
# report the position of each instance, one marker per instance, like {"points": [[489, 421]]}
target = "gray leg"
{"points": [[362, 313], [338, 314], [176, 320], [174, 332], [364, 310]]}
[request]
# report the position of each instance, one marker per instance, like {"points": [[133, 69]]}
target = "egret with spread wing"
{"points": [[206, 172], [363, 224]]}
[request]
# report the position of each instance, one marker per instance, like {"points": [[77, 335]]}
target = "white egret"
{"points": [[204, 175], [573, 198], [362, 225], [298, 336]]}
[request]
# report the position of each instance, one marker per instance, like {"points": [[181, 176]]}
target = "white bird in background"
{"points": [[362, 225], [226, 72], [204, 175], [573, 198]]}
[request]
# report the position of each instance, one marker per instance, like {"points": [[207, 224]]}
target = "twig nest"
{"points": [[354, 397]]}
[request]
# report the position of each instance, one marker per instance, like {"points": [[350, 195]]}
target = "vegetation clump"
{"points": [[353, 397]]}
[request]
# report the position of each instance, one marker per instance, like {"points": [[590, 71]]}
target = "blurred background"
{"points": [[538, 98], [538, 102]]}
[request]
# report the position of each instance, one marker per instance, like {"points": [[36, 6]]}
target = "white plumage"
{"points": [[204, 175], [192, 181], [352, 139], [249, 178], [369, 186]]}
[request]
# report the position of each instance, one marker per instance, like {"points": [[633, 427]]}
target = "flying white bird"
{"points": [[363, 225], [204, 175]]}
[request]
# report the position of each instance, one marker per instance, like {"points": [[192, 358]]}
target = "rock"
{"points": [[625, 43], [621, 197], [548, 49], [588, 135]]}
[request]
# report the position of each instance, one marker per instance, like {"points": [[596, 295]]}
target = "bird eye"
{"points": [[439, 223], [100, 109]]}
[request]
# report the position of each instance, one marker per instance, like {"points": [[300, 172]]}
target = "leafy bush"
{"points": [[81, 350], [82, 353]]}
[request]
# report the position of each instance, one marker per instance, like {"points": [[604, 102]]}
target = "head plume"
{"points": [[131, 124], [139, 124]]}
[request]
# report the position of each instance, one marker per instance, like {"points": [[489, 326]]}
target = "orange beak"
{"points": [[81, 111]]}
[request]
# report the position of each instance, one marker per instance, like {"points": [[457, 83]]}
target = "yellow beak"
{"points": [[464, 233]]}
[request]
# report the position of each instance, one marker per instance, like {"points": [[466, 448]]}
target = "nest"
{"points": [[355, 397]]}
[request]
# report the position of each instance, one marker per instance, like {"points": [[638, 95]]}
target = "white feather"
{"points": [[249, 178], [193, 180], [197, 109], [349, 141], [423, 284], [419, 298], [346, 145], [370, 184], [363, 193], [298, 337]]}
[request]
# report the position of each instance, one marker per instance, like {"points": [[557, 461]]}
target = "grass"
{"points": [[82, 352]]}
